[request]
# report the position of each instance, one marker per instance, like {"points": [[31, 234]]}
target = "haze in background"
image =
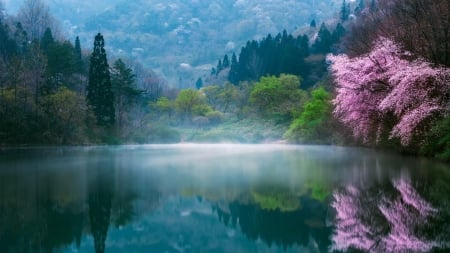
{"points": [[182, 40]]}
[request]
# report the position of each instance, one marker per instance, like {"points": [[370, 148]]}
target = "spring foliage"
{"points": [[386, 90]]}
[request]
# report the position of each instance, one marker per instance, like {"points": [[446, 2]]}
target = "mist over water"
{"points": [[220, 198]]}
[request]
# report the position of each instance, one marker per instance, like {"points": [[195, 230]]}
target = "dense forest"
{"points": [[374, 75]]}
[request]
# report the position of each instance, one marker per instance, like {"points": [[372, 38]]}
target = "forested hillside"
{"points": [[181, 39]]}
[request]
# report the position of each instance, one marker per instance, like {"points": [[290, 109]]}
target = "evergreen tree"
{"points": [[219, 67], [233, 76], [78, 58], [313, 23], [99, 93], [337, 33], [345, 11], [323, 40], [7, 45], [225, 62], [199, 83], [60, 58], [21, 38], [303, 44], [47, 40], [125, 92], [360, 7]]}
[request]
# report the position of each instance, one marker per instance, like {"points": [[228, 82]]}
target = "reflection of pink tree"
{"points": [[350, 231], [357, 225], [384, 82]]}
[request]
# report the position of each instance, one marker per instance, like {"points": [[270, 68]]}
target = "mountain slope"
{"points": [[181, 39]]}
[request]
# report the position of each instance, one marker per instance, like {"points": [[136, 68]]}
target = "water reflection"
{"points": [[302, 227], [218, 198], [389, 218], [100, 195]]}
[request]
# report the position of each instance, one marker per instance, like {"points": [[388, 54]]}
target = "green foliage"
{"points": [[99, 93], [214, 117], [64, 111], [190, 103], [278, 96], [438, 143], [313, 123], [212, 95], [276, 199], [251, 129], [199, 83], [78, 57], [283, 53], [165, 106], [320, 191], [126, 94], [60, 58], [221, 97], [323, 41], [158, 133]]}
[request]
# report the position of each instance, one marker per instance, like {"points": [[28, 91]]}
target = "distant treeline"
{"points": [[282, 54]]}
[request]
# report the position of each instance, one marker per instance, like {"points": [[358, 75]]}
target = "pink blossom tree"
{"points": [[386, 91]]}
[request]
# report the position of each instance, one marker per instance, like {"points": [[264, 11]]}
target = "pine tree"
{"points": [[78, 58], [225, 62], [233, 76], [219, 67], [99, 93], [323, 40], [337, 33], [47, 40], [199, 83], [313, 23], [8, 46], [125, 92], [345, 11]]}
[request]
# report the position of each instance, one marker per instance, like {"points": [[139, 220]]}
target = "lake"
{"points": [[221, 198]]}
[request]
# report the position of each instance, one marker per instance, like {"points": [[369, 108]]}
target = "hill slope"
{"points": [[181, 39]]}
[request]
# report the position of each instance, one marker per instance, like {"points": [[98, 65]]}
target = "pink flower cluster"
{"points": [[384, 82]]}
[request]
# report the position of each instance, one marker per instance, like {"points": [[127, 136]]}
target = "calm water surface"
{"points": [[221, 198]]}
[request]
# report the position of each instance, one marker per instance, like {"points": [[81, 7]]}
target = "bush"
{"points": [[438, 141], [214, 117], [163, 134], [312, 126]]}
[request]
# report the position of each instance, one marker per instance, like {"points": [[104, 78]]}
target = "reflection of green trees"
{"points": [[100, 204], [284, 228], [44, 229], [275, 199], [319, 190], [45, 210]]}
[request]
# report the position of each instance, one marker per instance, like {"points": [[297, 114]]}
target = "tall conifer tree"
{"points": [[99, 94], [78, 56]]}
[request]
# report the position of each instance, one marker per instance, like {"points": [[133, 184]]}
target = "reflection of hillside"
{"points": [[48, 207], [277, 227]]}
